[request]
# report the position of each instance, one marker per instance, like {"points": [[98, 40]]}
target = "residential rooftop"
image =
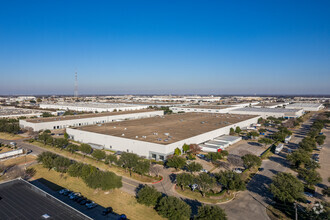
{"points": [[167, 129], [91, 115]]}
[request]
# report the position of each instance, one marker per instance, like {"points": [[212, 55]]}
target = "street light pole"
{"points": [[295, 206]]}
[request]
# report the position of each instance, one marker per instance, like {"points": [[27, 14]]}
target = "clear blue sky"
{"points": [[196, 47]]}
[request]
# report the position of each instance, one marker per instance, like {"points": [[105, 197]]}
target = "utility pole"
{"points": [[295, 207]]}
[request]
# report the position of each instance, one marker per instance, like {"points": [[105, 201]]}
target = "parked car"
{"points": [[90, 205], [75, 195], [260, 169], [193, 186], [81, 198], [122, 217], [309, 194], [319, 147], [308, 201], [237, 170], [66, 193], [204, 171], [107, 211], [62, 191], [83, 202], [200, 156]]}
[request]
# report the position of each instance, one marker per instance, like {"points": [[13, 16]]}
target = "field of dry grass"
{"points": [[121, 202], [19, 160], [8, 136]]}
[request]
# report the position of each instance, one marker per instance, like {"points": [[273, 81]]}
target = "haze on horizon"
{"points": [[165, 47]]}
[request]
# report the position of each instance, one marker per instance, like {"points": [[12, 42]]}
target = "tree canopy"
{"points": [[286, 187], [208, 212], [251, 160], [194, 167], [230, 180], [173, 208], [98, 154], [148, 196], [176, 162]]}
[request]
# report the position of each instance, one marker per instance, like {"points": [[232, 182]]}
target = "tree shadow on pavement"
{"points": [[194, 204], [280, 160], [259, 185]]}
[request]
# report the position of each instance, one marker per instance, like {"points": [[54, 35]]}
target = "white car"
{"points": [[237, 170], [204, 171], [308, 194]]}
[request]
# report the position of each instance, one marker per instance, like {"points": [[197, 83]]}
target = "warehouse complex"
{"points": [[93, 106], [20, 199], [267, 112], [12, 112], [158, 137], [311, 107], [51, 123], [211, 108]]}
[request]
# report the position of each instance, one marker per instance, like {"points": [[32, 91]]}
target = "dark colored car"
{"points": [[83, 202], [123, 217], [107, 211], [67, 193], [80, 199], [260, 169]]}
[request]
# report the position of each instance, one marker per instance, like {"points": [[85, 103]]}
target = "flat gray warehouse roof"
{"points": [[277, 110], [169, 128]]}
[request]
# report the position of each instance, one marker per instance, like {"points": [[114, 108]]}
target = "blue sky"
{"points": [[163, 47]]}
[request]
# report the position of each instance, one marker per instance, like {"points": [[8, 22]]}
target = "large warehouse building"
{"points": [[51, 123], [211, 108], [311, 107], [158, 137], [267, 112], [93, 106]]}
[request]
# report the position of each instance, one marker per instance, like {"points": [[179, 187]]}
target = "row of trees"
{"points": [[174, 208], [92, 176], [228, 180], [9, 125], [131, 162]]}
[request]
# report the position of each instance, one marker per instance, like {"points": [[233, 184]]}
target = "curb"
{"points": [[158, 181]]}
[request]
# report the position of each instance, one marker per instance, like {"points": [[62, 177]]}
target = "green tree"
{"points": [[129, 161], [142, 167], [173, 208], [253, 134], [205, 182], [72, 148], [208, 212], [286, 187], [148, 196], [61, 164], [47, 131], [184, 180], [311, 177], [75, 169], [66, 136], [320, 139], [262, 130], [230, 180], [44, 137], [110, 159], [61, 142], [98, 154], [194, 167], [238, 130], [47, 159], [46, 115], [177, 152], [308, 144], [214, 156], [224, 153], [298, 157], [231, 131], [176, 162], [265, 141], [85, 148], [185, 148], [251, 160]]}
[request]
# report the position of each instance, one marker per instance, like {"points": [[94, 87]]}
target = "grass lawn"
{"points": [[121, 202], [5, 149], [275, 214], [19, 160], [99, 164], [198, 196], [8, 136]]}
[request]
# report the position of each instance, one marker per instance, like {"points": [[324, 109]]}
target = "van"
{"points": [[13, 144]]}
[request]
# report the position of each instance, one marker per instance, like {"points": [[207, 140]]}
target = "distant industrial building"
{"points": [[271, 104], [211, 108], [219, 143], [12, 112], [158, 137], [20, 199], [311, 107], [267, 112], [51, 123], [93, 106]]}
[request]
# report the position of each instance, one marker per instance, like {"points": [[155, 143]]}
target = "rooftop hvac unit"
{"points": [[166, 134], [125, 128], [136, 136], [122, 134], [144, 137], [155, 133], [114, 126], [159, 139]]}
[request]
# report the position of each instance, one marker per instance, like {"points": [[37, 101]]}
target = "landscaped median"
{"points": [[9, 136], [209, 198], [100, 164]]}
